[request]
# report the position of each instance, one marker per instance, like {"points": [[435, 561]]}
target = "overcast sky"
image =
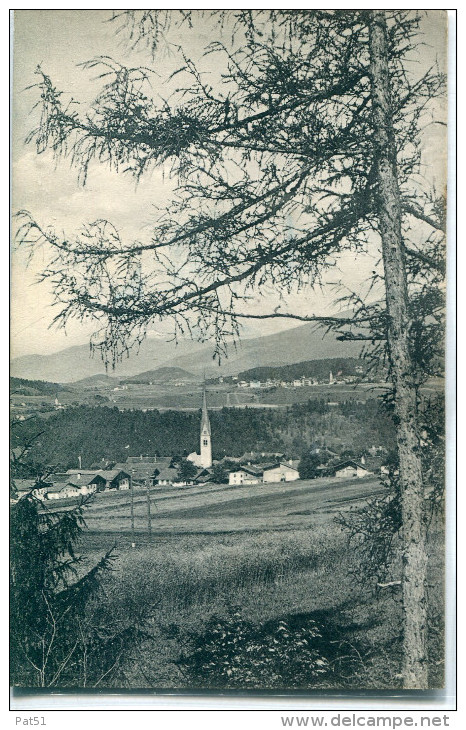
{"points": [[59, 40]]}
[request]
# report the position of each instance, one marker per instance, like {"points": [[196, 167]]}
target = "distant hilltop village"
{"points": [[300, 382], [196, 468]]}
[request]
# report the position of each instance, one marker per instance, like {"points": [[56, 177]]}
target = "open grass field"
{"points": [[266, 556], [214, 509]]}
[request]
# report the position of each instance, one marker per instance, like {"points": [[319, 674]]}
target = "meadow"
{"points": [[247, 588]]}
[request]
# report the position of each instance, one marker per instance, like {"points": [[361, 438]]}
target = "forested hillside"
{"points": [[107, 433], [161, 375], [33, 387]]}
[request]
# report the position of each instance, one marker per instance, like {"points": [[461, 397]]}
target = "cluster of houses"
{"points": [[287, 471], [338, 379], [156, 471], [74, 483], [137, 471], [279, 471]]}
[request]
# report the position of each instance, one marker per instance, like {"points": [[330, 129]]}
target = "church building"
{"points": [[204, 458]]}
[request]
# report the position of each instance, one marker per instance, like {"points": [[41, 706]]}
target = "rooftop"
{"points": [[167, 474], [110, 474], [83, 480], [24, 485], [349, 462]]}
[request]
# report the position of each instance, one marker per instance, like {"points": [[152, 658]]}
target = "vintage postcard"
{"points": [[227, 350]]}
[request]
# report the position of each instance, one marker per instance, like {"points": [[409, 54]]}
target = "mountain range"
{"points": [[305, 342]]}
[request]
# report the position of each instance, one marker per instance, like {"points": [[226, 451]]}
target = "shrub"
{"points": [[58, 636], [232, 652], [219, 474], [307, 467], [374, 531], [186, 470]]}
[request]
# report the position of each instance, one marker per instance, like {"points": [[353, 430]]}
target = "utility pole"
{"points": [[149, 523], [133, 541]]}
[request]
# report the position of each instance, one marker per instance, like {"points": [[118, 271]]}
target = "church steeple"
{"points": [[206, 443]]}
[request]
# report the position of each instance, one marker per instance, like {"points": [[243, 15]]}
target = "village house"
{"points": [[143, 469], [203, 476], [350, 469], [114, 479], [58, 491], [98, 480], [87, 483], [167, 475], [284, 471], [25, 486], [65, 491], [246, 475]]}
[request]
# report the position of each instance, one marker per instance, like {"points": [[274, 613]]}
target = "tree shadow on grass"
{"points": [[322, 649]]}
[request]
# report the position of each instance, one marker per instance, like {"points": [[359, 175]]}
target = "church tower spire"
{"points": [[206, 440]]}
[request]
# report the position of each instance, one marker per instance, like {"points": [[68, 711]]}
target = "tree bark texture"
{"points": [[415, 668]]}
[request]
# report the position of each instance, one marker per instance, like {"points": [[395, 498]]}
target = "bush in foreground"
{"points": [[232, 652], [57, 636]]}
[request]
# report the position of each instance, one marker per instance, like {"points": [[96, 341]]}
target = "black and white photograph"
{"points": [[228, 326]]}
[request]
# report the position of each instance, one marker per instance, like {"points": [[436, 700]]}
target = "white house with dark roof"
{"points": [[167, 475], [284, 471], [142, 469], [250, 474], [87, 483], [114, 478], [70, 489], [350, 470], [38, 490]]}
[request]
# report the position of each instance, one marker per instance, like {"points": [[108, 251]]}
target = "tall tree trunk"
{"points": [[389, 214]]}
